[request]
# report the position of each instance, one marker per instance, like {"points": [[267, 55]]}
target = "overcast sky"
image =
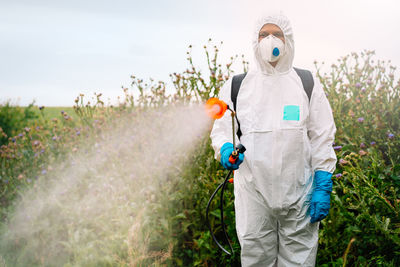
{"points": [[50, 51]]}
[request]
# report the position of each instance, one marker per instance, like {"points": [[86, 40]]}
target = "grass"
{"points": [[55, 112]]}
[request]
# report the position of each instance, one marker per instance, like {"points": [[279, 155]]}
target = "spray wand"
{"points": [[216, 109]]}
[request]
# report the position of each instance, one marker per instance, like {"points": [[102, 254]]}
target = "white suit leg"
{"points": [[298, 239], [256, 228]]}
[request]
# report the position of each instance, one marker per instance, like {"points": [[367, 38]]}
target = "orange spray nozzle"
{"points": [[215, 108]]}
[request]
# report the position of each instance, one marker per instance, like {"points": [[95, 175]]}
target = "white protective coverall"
{"points": [[273, 185]]}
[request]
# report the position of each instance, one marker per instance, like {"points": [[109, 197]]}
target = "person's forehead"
{"points": [[270, 27]]}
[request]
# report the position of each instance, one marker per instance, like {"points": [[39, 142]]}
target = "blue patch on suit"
{"points": [[291, 113]]}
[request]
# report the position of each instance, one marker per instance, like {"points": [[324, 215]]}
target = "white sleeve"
{"points": [[321, 131], [222, 129]]}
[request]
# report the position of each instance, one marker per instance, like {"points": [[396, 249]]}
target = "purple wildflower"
{"points": [[36, 143], [78, 132], [62, 112], [362, 153], [42, 151], [44, 171], [361, 119], [373, 143], [339, 175], [362, 145], [369, 81], [363, 89], [337, 147], [41, 107], [358, 85], [54, 138], [390, 135], [13, 139]]}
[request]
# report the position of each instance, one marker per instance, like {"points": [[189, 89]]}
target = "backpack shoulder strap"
{"points": [[307, 81], [236, 82]]}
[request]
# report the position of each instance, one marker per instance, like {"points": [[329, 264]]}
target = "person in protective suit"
{"points": [[282, 187]]}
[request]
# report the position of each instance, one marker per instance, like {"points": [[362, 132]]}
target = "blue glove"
{"points": [[320, 200], [226, 151]]}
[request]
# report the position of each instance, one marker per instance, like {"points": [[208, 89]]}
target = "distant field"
{"points": [[55, 112]]}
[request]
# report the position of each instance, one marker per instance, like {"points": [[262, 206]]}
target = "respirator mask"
{"points": [[271, 48]]}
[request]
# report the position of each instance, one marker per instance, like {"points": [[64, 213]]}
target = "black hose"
{"points": [[221, 206], [222, 185]]}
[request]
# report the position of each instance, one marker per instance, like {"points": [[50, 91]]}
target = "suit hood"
{"points": [[285, 62]]}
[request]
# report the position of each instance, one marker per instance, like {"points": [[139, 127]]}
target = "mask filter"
{"points": [[271, 48]]}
